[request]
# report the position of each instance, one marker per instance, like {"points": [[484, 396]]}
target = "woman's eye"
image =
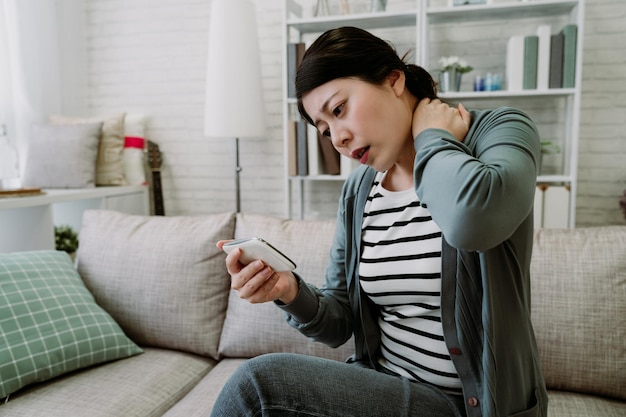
{"points": [[337, 110], [326, 133]]}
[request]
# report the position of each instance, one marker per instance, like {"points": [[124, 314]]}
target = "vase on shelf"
{"points": [[378, 6], [321, 8], [450, 80]]}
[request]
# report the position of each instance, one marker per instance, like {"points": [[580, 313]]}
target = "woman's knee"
{"points": [[267, 362], [256, 372]]}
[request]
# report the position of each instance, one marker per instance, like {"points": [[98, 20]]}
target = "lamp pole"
{"points": [[237, 182]]}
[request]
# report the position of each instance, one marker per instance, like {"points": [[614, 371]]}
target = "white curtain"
{"points": [[42, 67], [8, 151]]}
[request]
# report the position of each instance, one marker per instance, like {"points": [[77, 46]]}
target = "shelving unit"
{"points": [[426, 17], [500, 10]]}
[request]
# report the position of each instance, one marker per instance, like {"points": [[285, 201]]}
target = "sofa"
{"points": [[161, 286]]}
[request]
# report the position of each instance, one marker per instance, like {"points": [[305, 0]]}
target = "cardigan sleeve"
{"points": [[324, 314], [480, 190]]}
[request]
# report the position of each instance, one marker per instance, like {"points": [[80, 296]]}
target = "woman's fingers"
{"points": [[266, 291], [232, 261], [461, 127], [253, 282], [250, 279], [435, 114], [220, 243]]}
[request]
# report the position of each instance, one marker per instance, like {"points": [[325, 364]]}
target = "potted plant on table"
{"points": [[66, 240]]}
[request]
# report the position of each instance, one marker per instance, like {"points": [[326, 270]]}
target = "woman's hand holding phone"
{"points": [[256, 281]]}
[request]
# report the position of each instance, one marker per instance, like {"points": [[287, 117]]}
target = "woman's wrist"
{"points": [[293, 287]]}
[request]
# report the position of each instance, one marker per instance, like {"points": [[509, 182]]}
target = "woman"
{"points": [[429, 266]]}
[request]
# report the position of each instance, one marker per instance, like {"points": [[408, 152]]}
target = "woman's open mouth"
{"points": [[361, 154]]}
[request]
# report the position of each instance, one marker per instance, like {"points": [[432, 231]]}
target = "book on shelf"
{"points": [[556, 60], [531, 49], [292, 148], [295, 52], [302, 148], [515, 63], [543, 57], [551, 208], [556, 207], [330, 157], [313, 147], [570, 33], [311, 154], [538, 207]]}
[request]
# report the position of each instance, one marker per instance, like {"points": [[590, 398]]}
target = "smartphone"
{"points": [[256, 248]]}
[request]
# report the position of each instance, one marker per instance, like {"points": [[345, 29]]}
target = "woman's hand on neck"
{"points": [[434, 114]]}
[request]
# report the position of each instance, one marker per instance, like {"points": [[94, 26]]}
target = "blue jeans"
{"points": [[283, 384]]}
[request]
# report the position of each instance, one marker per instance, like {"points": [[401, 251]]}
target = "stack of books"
{"points": [[543, 60], [311, 154]]}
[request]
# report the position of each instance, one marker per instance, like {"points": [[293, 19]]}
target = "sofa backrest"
{"points": [[164, 281], [578, 282]]}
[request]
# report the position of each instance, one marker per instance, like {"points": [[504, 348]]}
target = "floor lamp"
{"points": [[234, 95]]}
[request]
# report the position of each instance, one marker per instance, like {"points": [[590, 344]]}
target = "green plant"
{"points": [[549, 147], [65, 239]]}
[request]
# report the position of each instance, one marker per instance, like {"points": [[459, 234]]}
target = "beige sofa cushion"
{"points": [[568, 404], [161, 278], [579, 308], [251, 330], [144, 385], [201, 399]]}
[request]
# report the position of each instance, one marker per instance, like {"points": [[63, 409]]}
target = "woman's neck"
{"points": [[400, 176]]}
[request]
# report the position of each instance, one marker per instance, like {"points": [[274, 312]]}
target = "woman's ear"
{"points": [[397, 80]]}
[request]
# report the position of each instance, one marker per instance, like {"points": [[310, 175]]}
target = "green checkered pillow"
{"points": [[49, 321]]}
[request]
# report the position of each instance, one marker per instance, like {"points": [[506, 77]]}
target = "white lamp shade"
{"points": [[234, 94]]}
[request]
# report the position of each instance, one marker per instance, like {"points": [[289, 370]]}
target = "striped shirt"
{"points": [[400, 271]]}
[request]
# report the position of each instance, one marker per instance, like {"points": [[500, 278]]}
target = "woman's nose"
{"points": [[340, 137]]}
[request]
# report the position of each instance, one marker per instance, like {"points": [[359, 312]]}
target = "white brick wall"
{"points": [[149, 56], [602, 153]]}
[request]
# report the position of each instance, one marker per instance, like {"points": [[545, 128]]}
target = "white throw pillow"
{"points": [[62, 156]]}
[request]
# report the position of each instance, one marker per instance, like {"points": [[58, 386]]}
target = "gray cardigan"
{"points": [[480, 192]]}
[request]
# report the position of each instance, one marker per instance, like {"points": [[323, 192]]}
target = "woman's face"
{"points": [[367, 122]]}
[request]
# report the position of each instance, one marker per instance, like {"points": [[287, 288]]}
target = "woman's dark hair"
{"points": [[353, 52]]}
